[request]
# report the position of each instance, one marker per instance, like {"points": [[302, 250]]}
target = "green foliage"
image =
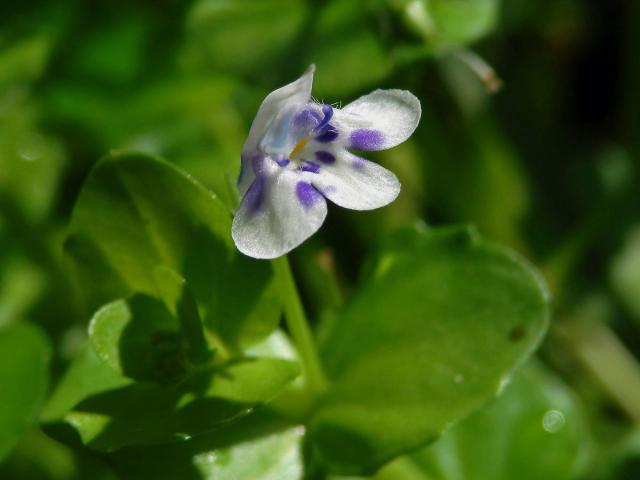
{"points": [[444, 302], [96, 406], [625, 273], [159, 352], [136, 213], [258, 447], [536, 413], [348, 54], [226, 32], [24, 376], [446, 24]]}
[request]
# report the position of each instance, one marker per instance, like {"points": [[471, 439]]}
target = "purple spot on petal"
{"points": [[308, 166], [257, 163], [366, 139], [254, 198], [325, 157], [358, 163], [282, 160], [307, 195], [328, 134]]}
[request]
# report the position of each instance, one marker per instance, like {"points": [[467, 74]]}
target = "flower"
{"points": [[299, 153]]}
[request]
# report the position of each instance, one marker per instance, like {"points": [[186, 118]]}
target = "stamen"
{"points": [[299, 146], [327, 113]]}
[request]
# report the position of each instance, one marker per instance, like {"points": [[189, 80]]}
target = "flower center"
{"points": [[299, 146], [287, 139], [316, 125]]}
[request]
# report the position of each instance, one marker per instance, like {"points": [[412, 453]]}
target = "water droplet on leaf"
{"points": [[31, 147], [553, 421]]}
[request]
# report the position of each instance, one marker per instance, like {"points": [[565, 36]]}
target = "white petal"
{"points": [[284, 98], [295, 93], [356, 183], [382, 119], [279, 212]]}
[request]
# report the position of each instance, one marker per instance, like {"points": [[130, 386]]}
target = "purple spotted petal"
{"points": [[307, 195], [282, 160], [362, 139], [257, 163], [308, 166], [358, 163], [254, 198], [325, 157], [327, 134]]}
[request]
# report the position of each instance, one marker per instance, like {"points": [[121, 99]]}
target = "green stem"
{"points": [[298, 326]]}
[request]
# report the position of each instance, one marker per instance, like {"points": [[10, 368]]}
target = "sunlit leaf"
{"points": [[136, 213], [536, 417], [434, 333]]}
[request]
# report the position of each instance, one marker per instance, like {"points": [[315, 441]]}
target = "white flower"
{"points": [[299, 152]]}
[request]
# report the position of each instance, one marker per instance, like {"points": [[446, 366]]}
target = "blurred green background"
{"points": [[547, 165]]}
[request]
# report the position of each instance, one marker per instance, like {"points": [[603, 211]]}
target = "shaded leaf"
{"points": [[24, 375], [260, 446], [445, 24], [98, 408], [140, 339], [241, 37], [347, 50]]}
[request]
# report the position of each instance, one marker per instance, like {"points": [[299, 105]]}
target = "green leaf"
{"points": [[259, 446], [448, 23], [38, 456], [244, 37], [136, 213], [140, 339], [96, 407], [24, 60], [346, 49], [537, 417], [625, 272], [21, 283], [114, 51], [434, 333], [180, 302], [462, 21], [24, 375], [146, 339], [31, 164]]}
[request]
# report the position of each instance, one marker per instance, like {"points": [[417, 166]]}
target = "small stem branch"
{"points": [[480, 68], [298, 326]]}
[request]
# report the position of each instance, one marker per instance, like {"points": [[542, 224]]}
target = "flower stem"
{"points": [[298, 326]]}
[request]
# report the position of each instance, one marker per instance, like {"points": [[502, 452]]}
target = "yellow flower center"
{"points": [[299, 146]]}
